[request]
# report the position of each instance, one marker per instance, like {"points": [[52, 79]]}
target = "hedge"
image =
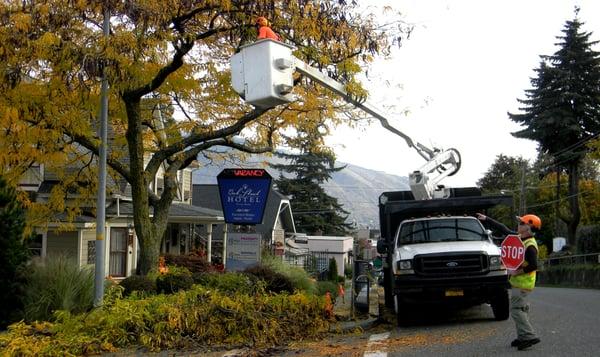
{"points": [[576, 275]]}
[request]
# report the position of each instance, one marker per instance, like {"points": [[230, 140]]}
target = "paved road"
{"points": [[567, 320]]}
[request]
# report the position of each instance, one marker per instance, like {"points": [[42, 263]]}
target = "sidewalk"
{"points": [[349, 320]]}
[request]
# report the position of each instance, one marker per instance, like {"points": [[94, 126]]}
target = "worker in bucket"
{"points": [[264, 29], [522, 280]]}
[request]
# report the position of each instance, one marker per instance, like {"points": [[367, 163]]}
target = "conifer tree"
{"points": [[13, 252], [562, 110], [315, 212]]}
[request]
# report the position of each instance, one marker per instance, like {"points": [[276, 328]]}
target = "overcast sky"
{"points": [[463, 67]]}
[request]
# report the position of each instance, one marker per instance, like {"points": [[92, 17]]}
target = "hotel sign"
{"points": [[244, 194]]}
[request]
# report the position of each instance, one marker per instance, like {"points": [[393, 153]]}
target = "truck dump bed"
{"points": [[394, 207]]}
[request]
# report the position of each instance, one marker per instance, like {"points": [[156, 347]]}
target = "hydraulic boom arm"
{"points": [[262, 75]]}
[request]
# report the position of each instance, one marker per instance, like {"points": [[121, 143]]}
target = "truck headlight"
{"points": [[404, 264], [496, 263]]}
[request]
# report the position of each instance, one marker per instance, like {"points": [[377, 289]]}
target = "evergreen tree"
{"points": [[13, 253], [562, 110], [315, 212]]}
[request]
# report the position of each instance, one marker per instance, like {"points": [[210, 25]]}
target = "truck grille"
{"points": [[451, 264]]}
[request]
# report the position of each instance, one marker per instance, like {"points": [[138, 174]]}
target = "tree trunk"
{"points": [[149, 230], [573, 203], [147, 233]]}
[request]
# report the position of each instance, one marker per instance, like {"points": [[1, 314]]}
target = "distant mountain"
{"points": [[355, 187]]}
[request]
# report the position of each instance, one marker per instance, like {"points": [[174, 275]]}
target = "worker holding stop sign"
{"points": [[519, 252]]}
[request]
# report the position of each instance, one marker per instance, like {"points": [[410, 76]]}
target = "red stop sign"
{"points": [[513, 252]]}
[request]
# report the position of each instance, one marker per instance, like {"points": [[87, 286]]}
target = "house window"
{"points": [[118, 252], [91, 252], [34, 244]]}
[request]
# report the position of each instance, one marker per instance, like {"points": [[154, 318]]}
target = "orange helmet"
{"points": [[532, 220], [262, 21]]}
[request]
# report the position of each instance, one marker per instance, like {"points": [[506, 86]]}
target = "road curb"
{"points": [[349, 326]]}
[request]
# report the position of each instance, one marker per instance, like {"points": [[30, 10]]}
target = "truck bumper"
{"points": [[460, 290]]}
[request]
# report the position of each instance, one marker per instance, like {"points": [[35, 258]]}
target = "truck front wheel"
{"points": [[501, 305]]}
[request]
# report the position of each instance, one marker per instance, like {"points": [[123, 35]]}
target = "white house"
{"points": [[76, 236], [327, 247]]}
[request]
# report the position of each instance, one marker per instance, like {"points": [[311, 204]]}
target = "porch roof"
{"points": [[178, 212]]}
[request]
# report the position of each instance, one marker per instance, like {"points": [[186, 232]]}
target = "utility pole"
{"points": [[557, 207], [523, 199], [101, 203]]}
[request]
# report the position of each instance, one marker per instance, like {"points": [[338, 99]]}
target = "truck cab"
{"points": [[448, 260], [437, 252]]}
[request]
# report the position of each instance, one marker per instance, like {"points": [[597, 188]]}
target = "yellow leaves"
{"points": [[355, 89], [21, 22], [48, 39], [81, 4]]}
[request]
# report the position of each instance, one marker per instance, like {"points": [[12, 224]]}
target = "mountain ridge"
{"points": [[356, 188]]}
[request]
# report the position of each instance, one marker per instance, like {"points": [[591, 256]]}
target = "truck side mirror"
{"points": [[382, 246]]}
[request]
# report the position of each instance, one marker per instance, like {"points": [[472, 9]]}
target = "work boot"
{"points": [[515, 342], [527, 343]]}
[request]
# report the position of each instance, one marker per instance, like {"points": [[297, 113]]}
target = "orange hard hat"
{"points": [[532, 220], [262, 21]]}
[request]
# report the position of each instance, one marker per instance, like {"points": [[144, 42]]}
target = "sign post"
{"points": [[513, 252]]}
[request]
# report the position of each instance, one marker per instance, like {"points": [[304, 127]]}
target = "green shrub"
{"points": [[57, 283], [300, 279], [274, 281], [143, 284], [572, 275], [348, 271], [325, 286], [177, 278], [235, 283], [200, 316], [195, 263], [13, 255], [332, 273]]}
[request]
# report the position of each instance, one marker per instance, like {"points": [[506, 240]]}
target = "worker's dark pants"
{"points": [[519, 310]]}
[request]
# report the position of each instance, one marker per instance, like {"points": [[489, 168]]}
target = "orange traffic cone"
{"points": [[328, 306]]}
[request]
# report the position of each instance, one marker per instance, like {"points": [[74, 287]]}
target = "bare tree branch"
{"points": [[195, 139]]}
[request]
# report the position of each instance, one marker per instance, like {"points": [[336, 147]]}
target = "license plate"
{"points": [[455, 292]]}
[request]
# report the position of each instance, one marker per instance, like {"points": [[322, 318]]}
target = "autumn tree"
{"points": [[562, 110], [167, 64]]}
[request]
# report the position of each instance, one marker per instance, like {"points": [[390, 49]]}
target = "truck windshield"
{"points": [[441, 230]]}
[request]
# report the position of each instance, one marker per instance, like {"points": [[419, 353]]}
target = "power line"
{"points": [[560, 199], [575, 145]]}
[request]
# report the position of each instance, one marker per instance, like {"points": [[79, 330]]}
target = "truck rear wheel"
{"points": [[501, 305]]}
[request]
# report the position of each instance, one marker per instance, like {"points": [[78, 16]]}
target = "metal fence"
{"points": [[314, 263], [593, 258]]}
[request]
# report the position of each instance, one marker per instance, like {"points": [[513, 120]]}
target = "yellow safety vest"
{"points": [[525, 280]]}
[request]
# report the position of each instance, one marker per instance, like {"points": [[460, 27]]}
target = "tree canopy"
{"points": [[167, 65]]}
